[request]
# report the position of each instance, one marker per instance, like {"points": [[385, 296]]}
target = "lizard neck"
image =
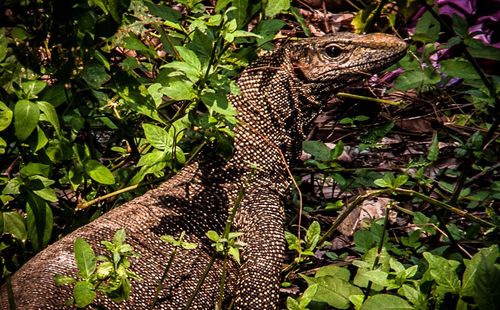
{"points": [[274, 113]]}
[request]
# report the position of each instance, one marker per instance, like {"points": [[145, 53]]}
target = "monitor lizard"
{"points": [[281, 94]]}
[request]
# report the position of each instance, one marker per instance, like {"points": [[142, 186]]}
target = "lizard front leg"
{"points": [[261, 219]]}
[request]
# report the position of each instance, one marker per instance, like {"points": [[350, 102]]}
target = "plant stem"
{"points": [[379, 250], [164, 275], [467, 215], [377, 100]]}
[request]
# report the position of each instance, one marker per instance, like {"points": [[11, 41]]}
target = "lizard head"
{"points": [[332, 62]]}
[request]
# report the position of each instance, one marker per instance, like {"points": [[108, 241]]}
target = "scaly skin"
{"points": [[281, 94]]}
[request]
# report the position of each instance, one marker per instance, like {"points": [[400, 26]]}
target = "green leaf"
{"points": [[180, 90], [317, 149], [119, 237], [313, 235], [155, 90], [337, 151], [218, 103], [189, 57], [49, 115], [443, 272], [40, 222], [427, 29], [164, 11], [334, 271], [3, 145], [157, 136], [400, 180], [5, 116], [26, 115], [32, 88], [13, 223], [472, 268], [274, 7], [98, 172], [333, 291], [152, 158], [458, 67], [382, 183], [85, 258], [84, 293], [95, 75], [433, 153], [213, 235], [482, 278], [33, 168], [63, 280], [267, 29], [385, 301], [38, 142], [292, 304], [133, 43]]}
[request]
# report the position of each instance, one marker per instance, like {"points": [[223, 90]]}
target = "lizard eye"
{"points": [[333, 51]]}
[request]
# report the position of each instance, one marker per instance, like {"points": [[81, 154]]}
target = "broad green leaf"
{"points": [[49, 115], [385, 301], [443, 272], [334, 271], [192, 73], [33, 168], [189, 57], [5, 116], [85, 258], [32, 88], [274, 7], [180, 90], [479, 50], [26, 116], [317, 149], [412, 79], [308, 295], [458, 67], [427, 28], [382, 183], [157, 136], [155, 90], [40, 222], [218, 103], [333, 291], [267, 29], [152, 158], [13, 223], [39, 141], [133, 43], [84, 293], [292, 304], [487, 280], [410, 293], [400, 180], [56, 95], [164, 11], [471, 271], [95, 75], [98, 172]]}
